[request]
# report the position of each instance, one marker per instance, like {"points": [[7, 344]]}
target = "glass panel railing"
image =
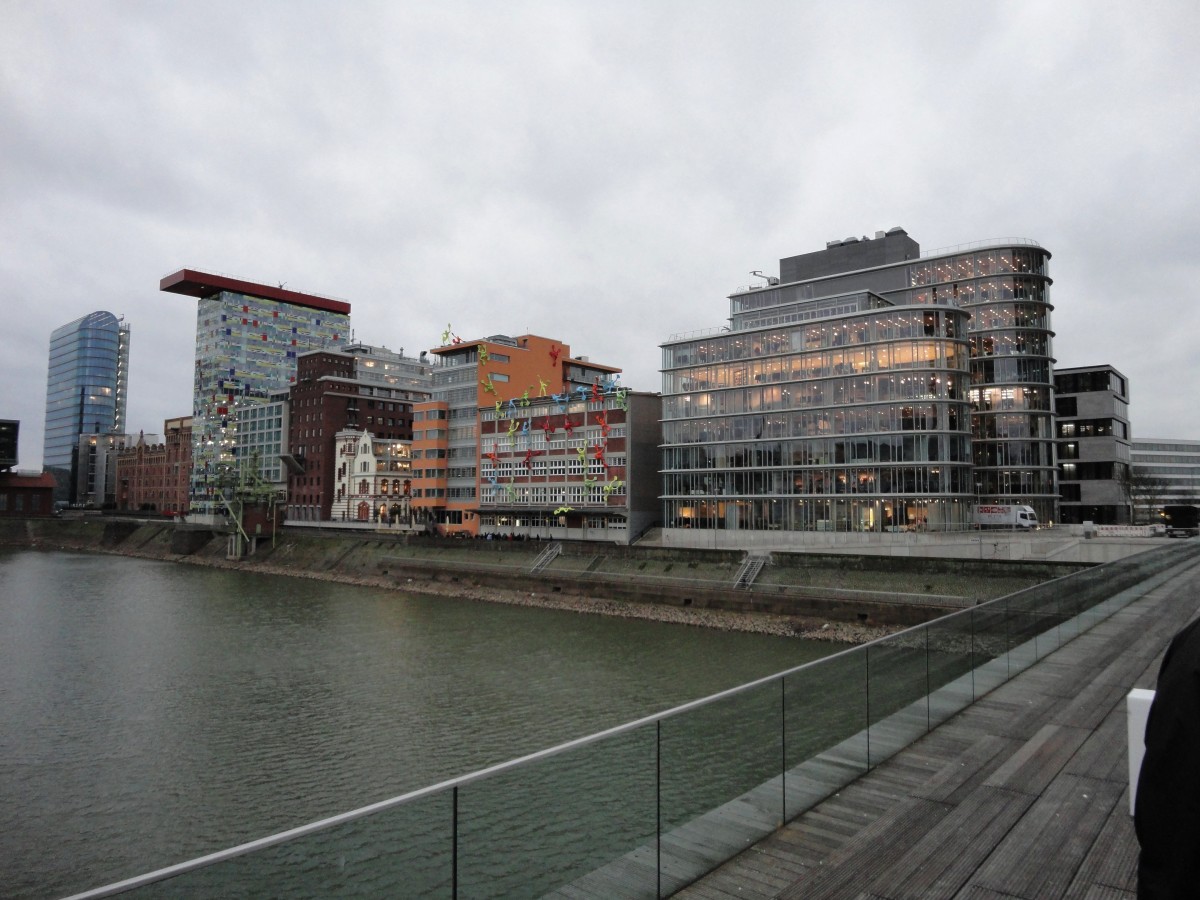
{"points": [[1033, 628], [825, 728], [643, 809], [951, 663], [897, 692], [989, 646], [720, 781], [564, 818]]}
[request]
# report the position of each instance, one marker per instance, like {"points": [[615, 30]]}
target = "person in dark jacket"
{"points": [[1167, 807]]}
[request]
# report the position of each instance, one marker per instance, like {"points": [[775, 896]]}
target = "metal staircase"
{"points": [[546, 557], [751, 566]]}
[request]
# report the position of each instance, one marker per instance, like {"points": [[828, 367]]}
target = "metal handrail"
{"points": [[976, 245], [698, 333]]}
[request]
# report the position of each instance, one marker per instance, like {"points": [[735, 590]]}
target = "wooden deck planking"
{"points": [[1111, 865], [1022, 795]]}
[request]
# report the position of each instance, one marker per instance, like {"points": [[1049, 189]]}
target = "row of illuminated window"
{"points": [[972, 265], [834, 392], [819, 452], [808, 366], [1083, 428], [971, 293], [520, 442], [891, 325], [539, 407], [557, 495], [882, 419], [548, 520], [1009, 398], [822, 481], [551, 468], [1010, 343]]}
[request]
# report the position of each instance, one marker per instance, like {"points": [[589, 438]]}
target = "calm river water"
{"points": [[151, 712]]}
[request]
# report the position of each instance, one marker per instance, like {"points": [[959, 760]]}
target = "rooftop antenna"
{"points": [[770, 279]]}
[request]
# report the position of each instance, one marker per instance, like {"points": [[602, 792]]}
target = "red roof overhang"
{"points": [[202, 284]]}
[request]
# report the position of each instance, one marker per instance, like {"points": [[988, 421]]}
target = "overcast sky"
{"points": [[600, 173]]}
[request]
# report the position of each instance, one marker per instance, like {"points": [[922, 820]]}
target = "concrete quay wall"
{"points": [[827, 586]]}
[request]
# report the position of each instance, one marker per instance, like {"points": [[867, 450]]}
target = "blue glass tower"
{"points": [[86, 387]]}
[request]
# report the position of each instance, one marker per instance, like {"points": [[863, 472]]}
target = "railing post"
{"points": [[782, 751], [658, 807], [928, 685], [867, 689], [971, 617], [454, 847]]}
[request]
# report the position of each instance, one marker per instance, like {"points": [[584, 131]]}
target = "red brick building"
{"points": [[358, 387], [155, 477], [25, 496]]}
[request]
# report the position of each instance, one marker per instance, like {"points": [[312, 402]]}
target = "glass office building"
{"points": [[86, 388], [868, 388]]}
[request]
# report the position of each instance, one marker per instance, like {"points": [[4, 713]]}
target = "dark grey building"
{"points": [[1091, 404], [10, 430]]}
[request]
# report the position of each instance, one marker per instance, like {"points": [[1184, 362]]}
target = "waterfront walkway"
{"points": [[1024, 794]]}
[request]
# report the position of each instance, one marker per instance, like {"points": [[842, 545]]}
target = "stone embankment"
{"points": [[835, 598]]}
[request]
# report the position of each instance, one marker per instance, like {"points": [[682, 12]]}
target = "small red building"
{"points": [[25, 496]]}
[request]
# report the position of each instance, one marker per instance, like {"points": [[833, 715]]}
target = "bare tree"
{"points": [[1145, 493]]}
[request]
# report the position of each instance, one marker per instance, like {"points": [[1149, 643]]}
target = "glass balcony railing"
{"points": [[646, 808]]}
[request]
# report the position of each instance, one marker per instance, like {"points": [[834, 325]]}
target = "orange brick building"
{"points": [[470, 376]]}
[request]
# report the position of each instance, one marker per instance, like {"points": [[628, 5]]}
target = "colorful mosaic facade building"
{"points": [[248, 337]]}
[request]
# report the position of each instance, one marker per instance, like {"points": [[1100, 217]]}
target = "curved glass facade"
{"points": [[858, 421], [867, 399], [86, 385], [1007, 292]]}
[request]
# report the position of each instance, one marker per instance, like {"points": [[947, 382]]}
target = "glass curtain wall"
{"points": [[857, 421], [1007, 292], [86, 387]]}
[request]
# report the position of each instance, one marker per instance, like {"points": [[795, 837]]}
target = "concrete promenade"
{"points": [[1024, 794]]}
